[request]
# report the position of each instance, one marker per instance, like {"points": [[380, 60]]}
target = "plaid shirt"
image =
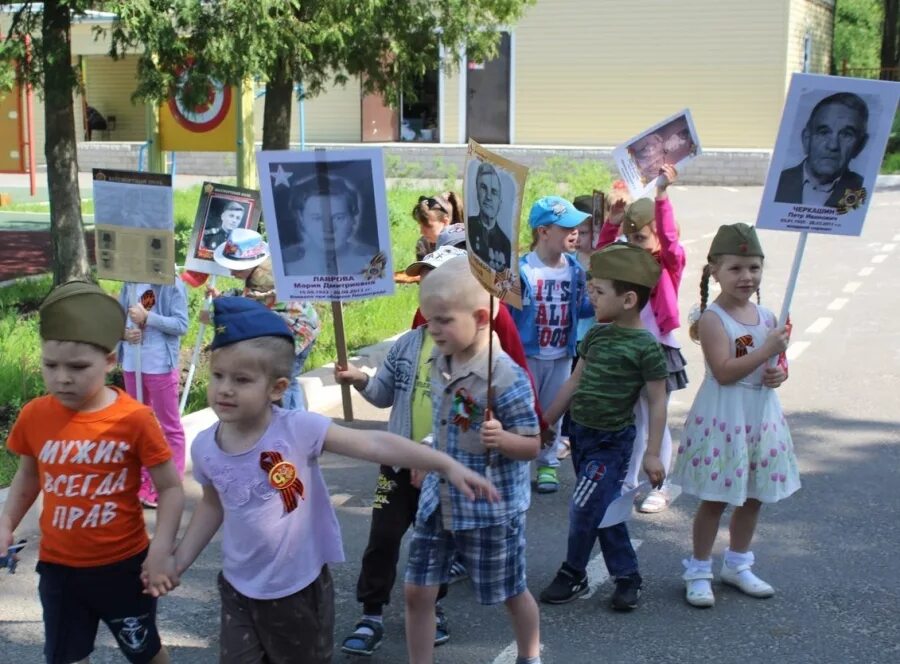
{"points": [[458, 403]]}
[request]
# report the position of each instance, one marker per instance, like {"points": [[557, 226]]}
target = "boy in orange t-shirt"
{"points": [[83, 446]]}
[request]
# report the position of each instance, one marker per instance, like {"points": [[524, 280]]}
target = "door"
{"points": [[487, 106], [12, 157], [380, 122]]}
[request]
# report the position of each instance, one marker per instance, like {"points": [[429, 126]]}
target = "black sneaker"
{"points": [[567, 585], [627, 593]]}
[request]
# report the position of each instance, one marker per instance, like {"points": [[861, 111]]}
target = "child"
{"points": [[83, 446], [247, 256], [553, 297], [159, 317], [434, 214], [259, 470], [615, 363], [402, 384], [490, 538], [652, 227], [736, 447]]}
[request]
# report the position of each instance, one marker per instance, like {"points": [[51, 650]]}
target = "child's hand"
{"points": [[212, 291], [492, 435], [548, 435], [205, 317], [774, 376], [137, 314], [416, 477], [777, 341], [471, 484], [158, 574], [616, 212], [655, 470], [133, 335], [6, 539], [667, 176], [350, 375]]}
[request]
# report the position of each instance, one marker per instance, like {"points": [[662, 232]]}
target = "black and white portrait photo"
{"points": [[489, 223], [493, 189], [328, 220], [220, 210], [833, 134], [829, 149]]}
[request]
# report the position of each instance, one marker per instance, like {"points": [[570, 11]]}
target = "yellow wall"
{"points": [[450, 106], [600, 71], [817, 18], [332, 117]]}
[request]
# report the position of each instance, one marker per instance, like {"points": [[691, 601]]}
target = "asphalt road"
{"points": [[830, 550]]}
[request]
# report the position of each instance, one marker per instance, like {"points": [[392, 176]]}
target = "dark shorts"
{"points": [[76, 599], [297, 629]]}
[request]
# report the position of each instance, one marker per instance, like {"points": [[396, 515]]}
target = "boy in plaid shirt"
{"points": [[488, 536]]}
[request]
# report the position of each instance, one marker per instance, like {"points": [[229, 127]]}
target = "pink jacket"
{"points": [[671, 258]]}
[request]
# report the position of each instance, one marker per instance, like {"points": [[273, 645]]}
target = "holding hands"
{"points": [[159, 574]]}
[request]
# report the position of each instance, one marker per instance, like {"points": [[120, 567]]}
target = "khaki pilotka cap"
{"points": [[736, 240], [82, 311], [638, 214], [626, 262]]}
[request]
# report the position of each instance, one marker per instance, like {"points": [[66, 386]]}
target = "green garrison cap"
{"points": [[736, 240], [584, 204], [82, 311], [638, 214], [627, 262]]}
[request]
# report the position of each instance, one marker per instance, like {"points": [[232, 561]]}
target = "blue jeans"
{"points": [[601, 462], [293, 397]]}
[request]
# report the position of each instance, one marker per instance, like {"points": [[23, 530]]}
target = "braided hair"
{"points": [[694, 329]]}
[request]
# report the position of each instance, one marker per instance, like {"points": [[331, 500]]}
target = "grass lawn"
{"points": [[366, 322]]}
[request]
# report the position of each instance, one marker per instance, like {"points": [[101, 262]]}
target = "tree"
{"points": [[388, 44], [857, 27], [37, 50], [890, 41]]}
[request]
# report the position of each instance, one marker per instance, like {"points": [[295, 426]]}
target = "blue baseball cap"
{"points": [[555, 210], [240, 318]]}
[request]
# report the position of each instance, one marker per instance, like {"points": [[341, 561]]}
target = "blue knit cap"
{"points": [[240, 318]]}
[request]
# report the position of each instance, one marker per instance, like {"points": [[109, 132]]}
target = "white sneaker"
{"points": [[742, 578], [698, 586]]}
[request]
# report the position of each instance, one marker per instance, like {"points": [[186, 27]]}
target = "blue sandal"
{"points": [[364, 644]]}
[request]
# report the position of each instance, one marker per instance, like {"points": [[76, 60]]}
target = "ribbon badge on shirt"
{"points": [[464, 409], [282, 476], [741, 344]]}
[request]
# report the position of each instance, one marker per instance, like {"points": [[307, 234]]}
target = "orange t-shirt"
{"points": [[89, 468]]}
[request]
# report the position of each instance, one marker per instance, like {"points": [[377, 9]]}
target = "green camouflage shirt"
{"points": [[618, 362]]}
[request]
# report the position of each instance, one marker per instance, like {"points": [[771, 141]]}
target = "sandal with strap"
{"points": [[698, 587], [364, 644], [441, 629], [547, 481]]}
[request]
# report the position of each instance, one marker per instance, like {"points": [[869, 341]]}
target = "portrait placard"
{"points": [[673, 141], [493, 188], [327, 223], [221, 209], [830, 145], [134, 226], [598, 210]]}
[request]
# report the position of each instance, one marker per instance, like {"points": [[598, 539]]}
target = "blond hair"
{"points": [[453, 285]]}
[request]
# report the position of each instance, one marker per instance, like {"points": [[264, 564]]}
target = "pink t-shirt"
{"points": [[266, 552]]}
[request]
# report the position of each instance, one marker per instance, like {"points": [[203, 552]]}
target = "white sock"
{"points": [[368, 631], [734, 559], [694, 565]]}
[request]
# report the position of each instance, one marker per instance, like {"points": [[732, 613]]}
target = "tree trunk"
{"points": [[67, 244], [890, 40], [277, 109]]}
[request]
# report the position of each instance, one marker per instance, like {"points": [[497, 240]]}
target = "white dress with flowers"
{"points": [[736, 444]]}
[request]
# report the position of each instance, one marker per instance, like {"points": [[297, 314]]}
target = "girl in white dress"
{"points": [[736, 448]]}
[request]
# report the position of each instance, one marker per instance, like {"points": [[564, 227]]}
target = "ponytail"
{"points": [[456, 208], [694, 330]]}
